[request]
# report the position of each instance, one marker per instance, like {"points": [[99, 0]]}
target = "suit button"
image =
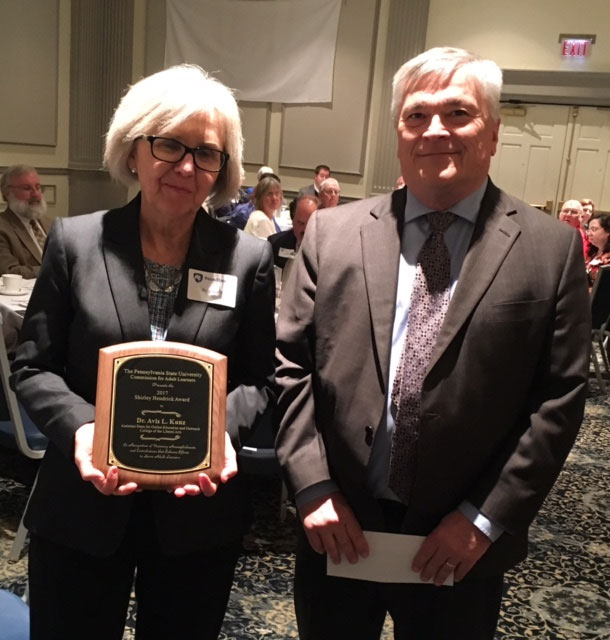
{"points": [[368, 435]]}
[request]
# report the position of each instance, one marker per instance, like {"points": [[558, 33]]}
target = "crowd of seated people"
{"points": [[594, 229]]}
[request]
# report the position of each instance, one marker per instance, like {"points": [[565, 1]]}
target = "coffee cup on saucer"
{"points": [[11, 282]]}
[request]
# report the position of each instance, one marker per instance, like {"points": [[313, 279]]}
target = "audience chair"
{"points": [[257, 456], [14, 617], [18, 431], [600, 312]]}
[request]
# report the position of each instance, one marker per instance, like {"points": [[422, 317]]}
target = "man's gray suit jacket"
{"points": [[504, 394]]}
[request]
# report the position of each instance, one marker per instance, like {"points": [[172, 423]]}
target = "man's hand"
{"points": [[455, 545], [206, 486], [107, 484], [332, 528]]}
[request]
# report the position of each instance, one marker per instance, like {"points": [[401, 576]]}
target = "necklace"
{"points": [[161, 278]]}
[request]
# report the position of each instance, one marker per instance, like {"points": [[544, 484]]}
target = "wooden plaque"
{"points": [[160, 414]]}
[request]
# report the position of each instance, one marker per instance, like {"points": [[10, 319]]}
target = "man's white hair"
{"points": [[14, 171], [263, 171], [329, 183], [441, 63], [571, 204], [159, 103]]}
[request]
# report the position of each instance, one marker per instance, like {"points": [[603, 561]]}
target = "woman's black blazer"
{"points": [[91, 293]]}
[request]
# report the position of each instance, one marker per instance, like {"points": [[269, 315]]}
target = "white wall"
{"points": [[352, 133], [294, 139], [522, 34]]}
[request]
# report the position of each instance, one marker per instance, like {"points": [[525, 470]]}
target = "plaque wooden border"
{"points": [[103, 456]]}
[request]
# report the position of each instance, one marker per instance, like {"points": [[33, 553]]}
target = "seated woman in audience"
{"points": [[268, 198], [125, 275], [599, 237]]}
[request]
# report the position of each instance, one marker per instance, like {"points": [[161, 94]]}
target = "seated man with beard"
{"points": [[23, 226]]}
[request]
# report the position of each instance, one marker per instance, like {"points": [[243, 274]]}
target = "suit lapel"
{"points": [[124, 266], [210, 251], [381, 242], [493, 236], [23, 235]]}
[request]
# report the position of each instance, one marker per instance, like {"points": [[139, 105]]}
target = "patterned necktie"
{"points": [[429, 302], [39, 234]]}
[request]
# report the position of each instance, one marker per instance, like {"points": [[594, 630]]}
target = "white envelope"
{"points": [[389, 560]]}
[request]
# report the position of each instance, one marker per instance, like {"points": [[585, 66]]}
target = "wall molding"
{"points": [[581, 88]]}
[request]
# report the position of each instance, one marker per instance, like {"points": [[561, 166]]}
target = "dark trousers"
{"points": [[328, 607], [74, 595]]}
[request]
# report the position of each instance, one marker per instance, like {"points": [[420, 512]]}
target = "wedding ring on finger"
{"points": [[450, 565]]}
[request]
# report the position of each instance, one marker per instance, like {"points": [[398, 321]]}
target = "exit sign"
{"points": [[576, 45]]}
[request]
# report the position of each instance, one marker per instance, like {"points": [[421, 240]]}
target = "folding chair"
{"points": [[18, 432], [600, 311]]}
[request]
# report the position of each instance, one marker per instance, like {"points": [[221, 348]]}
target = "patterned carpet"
{"points": [[562, 592]]}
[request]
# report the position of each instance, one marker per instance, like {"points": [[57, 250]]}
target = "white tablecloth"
{"points": [[12, 310]]}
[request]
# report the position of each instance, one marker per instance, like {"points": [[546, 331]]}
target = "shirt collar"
{"points": [[468, 208]]}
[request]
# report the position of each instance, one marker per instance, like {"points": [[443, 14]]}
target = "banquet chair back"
{"points": [[17, 432], [16, 428]]}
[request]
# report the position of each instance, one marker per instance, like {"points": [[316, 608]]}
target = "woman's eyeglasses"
{"points": [[170, 150]]}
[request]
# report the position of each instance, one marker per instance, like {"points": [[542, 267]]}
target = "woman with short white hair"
{"points": [[126, 275]]}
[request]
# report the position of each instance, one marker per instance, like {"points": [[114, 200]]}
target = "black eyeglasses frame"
{"points": [[223, 154]]}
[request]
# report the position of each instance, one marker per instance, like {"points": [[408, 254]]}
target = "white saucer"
{"points": [[21, 292]]}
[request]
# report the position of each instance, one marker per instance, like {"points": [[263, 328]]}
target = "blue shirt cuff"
{"points": [[326, 487], [492, 530]]}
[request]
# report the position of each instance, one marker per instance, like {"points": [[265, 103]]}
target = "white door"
{"points": [[532, 142], [588, 174]]}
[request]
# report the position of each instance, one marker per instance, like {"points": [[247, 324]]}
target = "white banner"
{"points": [[268, 50]]}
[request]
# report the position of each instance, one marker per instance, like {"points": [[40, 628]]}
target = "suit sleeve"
{"points": [[300, 446], [9, 263], [38, 368], [519, 479]]}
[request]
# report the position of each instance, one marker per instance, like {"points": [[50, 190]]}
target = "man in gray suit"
{"points": [[24, 225], [459, 445], [320, 173]]}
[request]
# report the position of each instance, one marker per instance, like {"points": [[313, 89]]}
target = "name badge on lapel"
{"points": [[287, 253], [214, 288]]}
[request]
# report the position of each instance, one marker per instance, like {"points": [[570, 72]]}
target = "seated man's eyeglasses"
{"points": [[28, 188], [170, 150]]}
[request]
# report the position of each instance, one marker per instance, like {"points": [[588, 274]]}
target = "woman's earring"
{"points": [[133, 171]]}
